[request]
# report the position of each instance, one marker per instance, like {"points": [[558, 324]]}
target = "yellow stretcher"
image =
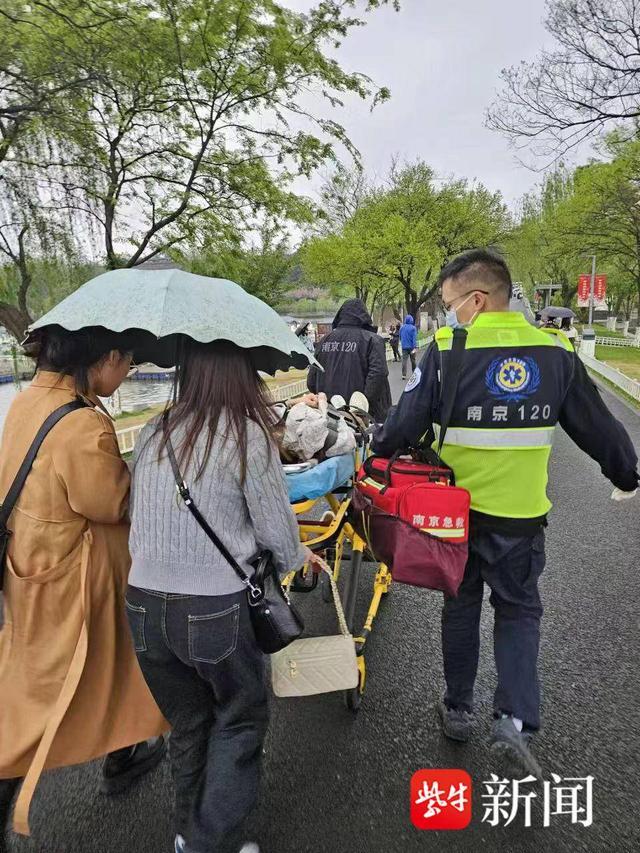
{"points": [[334, 537]]}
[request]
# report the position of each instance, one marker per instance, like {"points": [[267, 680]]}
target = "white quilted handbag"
{"points": [[317, 664]]}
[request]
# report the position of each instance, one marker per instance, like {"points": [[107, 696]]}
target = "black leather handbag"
{"points": [[275, 621], [6, 508]]}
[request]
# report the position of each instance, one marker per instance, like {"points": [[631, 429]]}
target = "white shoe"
{"points": [[250, 847], [338, 402], [359, 401]]}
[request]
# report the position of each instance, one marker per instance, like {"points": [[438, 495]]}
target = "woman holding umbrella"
{"points": [[566, 316], [187, 608], [71, 687]]}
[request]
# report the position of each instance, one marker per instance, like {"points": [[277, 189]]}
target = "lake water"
{"points": [[134, 395]]}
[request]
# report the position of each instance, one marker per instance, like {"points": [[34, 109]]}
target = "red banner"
{"points": [[584, 289], [599, 291]]}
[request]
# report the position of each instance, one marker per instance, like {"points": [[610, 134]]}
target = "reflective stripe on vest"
{"points": [[497, 439]]}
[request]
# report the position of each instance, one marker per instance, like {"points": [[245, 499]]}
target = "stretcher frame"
{"points": [[332, 536]]}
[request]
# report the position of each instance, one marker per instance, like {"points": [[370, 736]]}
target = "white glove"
{"points": [[619, 495]]}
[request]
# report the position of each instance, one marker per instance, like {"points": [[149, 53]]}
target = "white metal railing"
{"points": [[626, 383], [284, 392], [617, 342], [127, 437]]}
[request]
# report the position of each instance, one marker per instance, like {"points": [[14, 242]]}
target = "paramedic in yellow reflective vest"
{"points": [[516, 383]]}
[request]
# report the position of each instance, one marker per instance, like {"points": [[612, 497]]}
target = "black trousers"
{"points": [[511, 568], [199, 656], [408, 354]]}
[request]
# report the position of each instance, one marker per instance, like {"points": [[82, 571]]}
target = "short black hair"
{"points": [[73, 353], [482, 267]]}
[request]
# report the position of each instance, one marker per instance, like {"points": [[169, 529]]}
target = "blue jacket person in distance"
{"points": [[516, 383], [408, 342]]}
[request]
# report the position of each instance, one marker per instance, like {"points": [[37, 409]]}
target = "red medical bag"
{"points": [[411, 514], [414, 520]]}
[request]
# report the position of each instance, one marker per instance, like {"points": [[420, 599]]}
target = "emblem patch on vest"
{"points": [[513, 378], [414, 381]]}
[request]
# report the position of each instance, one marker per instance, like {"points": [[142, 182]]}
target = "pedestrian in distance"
{"points": [[71, 686], [516, 383], [569, 330], [354, 359], [394, 340], [188, 609], [409, 343]]}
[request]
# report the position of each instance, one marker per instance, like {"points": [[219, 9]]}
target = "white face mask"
{"points": [[451, 315]]}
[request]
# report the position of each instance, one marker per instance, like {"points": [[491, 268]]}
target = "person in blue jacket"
{"points": [[409, 342]]}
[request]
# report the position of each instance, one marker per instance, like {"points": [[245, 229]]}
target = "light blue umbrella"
{"points": [[163, 304]]}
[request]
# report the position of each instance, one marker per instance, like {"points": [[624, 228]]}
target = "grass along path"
{"points": [[624, 359]]}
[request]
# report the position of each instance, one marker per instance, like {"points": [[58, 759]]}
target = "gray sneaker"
{"points": [[511, 748], [457, 724]]}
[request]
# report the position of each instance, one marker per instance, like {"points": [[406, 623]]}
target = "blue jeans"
{"points": [[199, 657], [511, 567]]}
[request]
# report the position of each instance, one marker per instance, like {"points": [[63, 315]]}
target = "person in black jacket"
{"points": [[394, 340], [354, 359]]}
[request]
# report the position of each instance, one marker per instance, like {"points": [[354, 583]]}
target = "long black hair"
{"points": [[211, 379], [75, 353]]}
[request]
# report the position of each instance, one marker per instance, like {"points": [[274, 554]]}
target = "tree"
{"points": [[187, 115], [403, 233], [261, 269], [37, 251], [342, 194], [609, 196], [593, 210], [547, 244], [580, 87], [48, 55]]}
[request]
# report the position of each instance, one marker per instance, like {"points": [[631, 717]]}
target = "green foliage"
{"points": [[191, 107], [401, 234], [593, 209], [261, 269], [542, 248], [148, 127]]}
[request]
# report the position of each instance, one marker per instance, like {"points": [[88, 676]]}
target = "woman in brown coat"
{"points": [[70, 683]]}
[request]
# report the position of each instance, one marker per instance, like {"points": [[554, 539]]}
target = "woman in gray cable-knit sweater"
{"points": [[187, 607]]}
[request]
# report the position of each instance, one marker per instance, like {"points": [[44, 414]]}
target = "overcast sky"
{"points": [[442, 60]]}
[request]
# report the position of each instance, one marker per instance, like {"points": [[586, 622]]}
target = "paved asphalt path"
{"points": [[337, 782]]}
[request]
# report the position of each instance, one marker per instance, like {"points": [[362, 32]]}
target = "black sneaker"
{"points": [[121, 768], [457, 724], [511, 748]]}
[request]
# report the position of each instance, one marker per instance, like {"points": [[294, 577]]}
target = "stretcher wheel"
{"points": [[353, 697]]}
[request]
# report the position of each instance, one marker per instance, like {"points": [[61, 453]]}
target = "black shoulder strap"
{"points": [[185, 494], [16, 487], [449, 382]]}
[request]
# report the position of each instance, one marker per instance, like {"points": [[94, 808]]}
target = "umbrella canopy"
{"points": [[160, 305], [554, 313]]}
